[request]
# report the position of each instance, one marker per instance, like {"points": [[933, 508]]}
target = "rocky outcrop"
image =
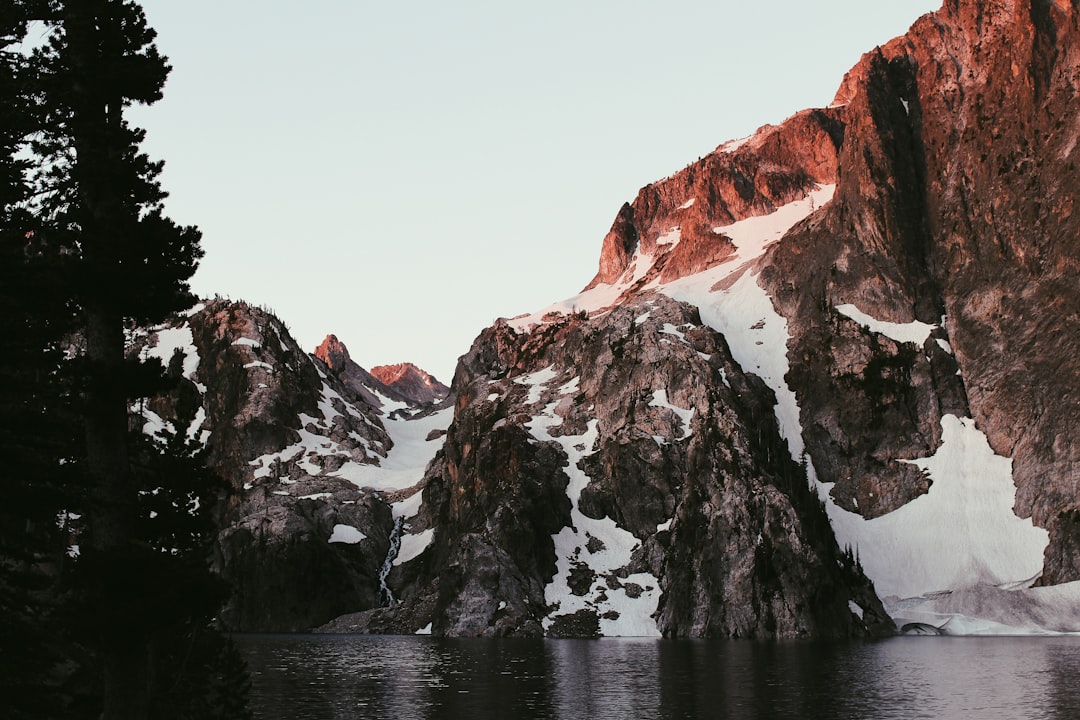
{"points": [[623, 475], [962, 130], [300, 541], [740, 180], [1002, 181]]}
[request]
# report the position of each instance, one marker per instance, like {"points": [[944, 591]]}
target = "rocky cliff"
{"points": [[304, 538], [824, 379], [622, 475], [880, 296], [957, 179]]}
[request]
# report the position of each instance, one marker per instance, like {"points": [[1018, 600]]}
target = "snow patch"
{"points": [[688, 204], [990, 610], [404, 465], [598, 544], [413, 545], [962, 533], [536, 382], [753, 235], [912, 332], [346, 534], [195, 432], [670, 329], [732, 145], [671, 237], [660, 399], [171, 340], [408, 507]]}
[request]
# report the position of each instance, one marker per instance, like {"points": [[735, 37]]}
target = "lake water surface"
{"points": [[297, 677]]}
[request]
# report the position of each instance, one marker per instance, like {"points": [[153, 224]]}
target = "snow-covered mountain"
{"points": [[322, 459], [824, 383], [894, 279]]}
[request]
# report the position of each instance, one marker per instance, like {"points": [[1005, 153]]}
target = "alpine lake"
{"points": [[324, 677]]}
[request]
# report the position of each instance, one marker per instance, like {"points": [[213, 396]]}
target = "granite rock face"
{"points": [[954, 154], [299, 542], [937, 279], [410, 384], [776, 346], [955, 207], [622, 475]]}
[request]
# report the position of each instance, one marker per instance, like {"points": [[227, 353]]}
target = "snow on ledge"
{"points": [[732, 145], [413, 545], [536, 382], [660, 400], [346, 534], [912, 332]]}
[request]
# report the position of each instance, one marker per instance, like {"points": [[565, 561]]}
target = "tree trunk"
{"points": [[116, 599]]}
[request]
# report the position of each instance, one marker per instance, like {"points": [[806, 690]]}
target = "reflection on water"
{"points": [[334, 676]]}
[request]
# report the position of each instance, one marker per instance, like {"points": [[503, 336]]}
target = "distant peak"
{"points": [[407, 378], [391, 374], [333, 352]]}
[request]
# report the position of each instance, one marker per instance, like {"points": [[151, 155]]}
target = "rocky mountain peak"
{"points": [[333, 352], [676, 225], [900, 270], [402, 382], [413, 383]]}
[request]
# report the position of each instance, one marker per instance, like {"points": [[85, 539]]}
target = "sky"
{"points": [[403, 173]]}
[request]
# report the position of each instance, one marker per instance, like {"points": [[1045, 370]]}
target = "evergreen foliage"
{"points": [[106, 599], [36, 427]]}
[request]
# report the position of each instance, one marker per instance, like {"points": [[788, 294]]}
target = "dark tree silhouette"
{"points": [[129, 264], [37, 427], [87, 253]]}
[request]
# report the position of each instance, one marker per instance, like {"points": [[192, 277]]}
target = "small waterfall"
{"points": [[386, 595]]}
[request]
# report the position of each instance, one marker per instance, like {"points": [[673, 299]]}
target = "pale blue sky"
{"points": [[401, 174]]}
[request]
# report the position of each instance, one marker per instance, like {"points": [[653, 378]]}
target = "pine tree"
{"points": [[36, 425], [85, 254], [142, 568]]}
